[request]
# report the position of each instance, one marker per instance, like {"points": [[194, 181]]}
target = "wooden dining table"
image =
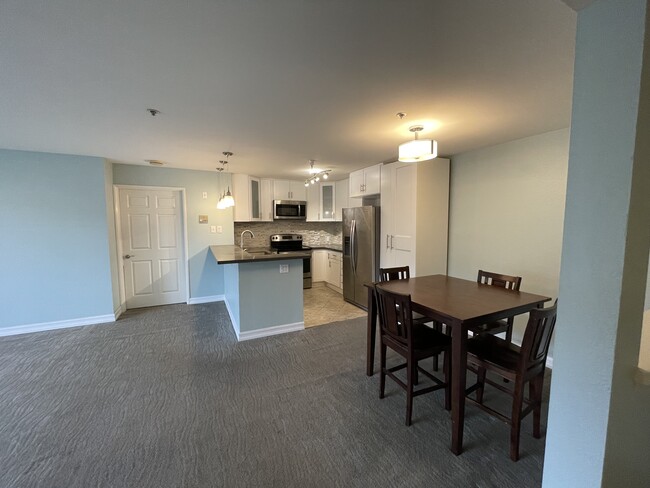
{"points": [[459, 304]]}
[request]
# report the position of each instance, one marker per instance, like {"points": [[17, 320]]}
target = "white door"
{"points": [[152, 247]]}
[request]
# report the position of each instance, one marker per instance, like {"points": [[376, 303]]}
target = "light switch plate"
{"points": [[205, 195], [213, 229], [219, 229], [284, 268]]}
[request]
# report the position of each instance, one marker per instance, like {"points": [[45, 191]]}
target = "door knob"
{"points": [[129, 256]]}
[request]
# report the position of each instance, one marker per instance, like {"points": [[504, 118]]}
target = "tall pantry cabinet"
{"points": [[415, 216]]}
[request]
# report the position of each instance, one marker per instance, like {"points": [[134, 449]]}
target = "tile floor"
{"points": [[324, 305]]}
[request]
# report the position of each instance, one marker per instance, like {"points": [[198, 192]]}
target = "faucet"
{"points": [[241, 238]]}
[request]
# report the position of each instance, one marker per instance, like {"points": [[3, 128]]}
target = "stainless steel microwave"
{"points": [[289, 210]]}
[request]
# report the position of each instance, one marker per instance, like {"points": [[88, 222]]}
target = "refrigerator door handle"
{"points": [[353, 241]]}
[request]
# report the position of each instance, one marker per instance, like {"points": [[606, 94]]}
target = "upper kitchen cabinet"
{"points": [[326, 201], [327, 195], [415, 215], [247, 194], [321, 202], [289, 190], [266, 197], [365, 182]]}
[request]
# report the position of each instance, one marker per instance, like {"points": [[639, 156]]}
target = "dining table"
{"points": [[459, 304]]}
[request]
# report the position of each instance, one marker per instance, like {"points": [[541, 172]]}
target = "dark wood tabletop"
{"points": [[459, 304]]}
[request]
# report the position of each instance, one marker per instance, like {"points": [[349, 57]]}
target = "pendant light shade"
{"points": [[417, 149], [227, 200]]}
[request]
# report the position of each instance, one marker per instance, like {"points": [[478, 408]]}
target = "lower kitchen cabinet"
{"points": [[318, 265], [334, 269], [327, 267]]}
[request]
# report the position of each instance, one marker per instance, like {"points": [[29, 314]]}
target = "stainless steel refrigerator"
{"points": [[360, 252]]}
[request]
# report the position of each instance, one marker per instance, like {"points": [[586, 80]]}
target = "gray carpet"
{"points": [[166, 397]]}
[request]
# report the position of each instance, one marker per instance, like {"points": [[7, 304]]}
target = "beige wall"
{"points": [[507, 212]]}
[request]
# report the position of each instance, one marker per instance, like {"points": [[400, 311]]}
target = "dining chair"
{"points": [[413, 342], [404, 273], [520, 365], [511, 283]]}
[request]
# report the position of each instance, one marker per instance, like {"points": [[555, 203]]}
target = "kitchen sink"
{"points": [[263, 252]]}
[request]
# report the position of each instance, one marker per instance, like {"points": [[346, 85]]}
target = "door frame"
{"points": [[118, 236]]}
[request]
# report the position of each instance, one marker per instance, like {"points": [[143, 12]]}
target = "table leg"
{"points": [[372, 332], [458, 378]]}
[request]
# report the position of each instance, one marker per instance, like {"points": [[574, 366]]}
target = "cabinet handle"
{"points": [[391, 241], [387, 237]]}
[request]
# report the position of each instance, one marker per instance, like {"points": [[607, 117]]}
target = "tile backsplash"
{"points": [[313, 233]]}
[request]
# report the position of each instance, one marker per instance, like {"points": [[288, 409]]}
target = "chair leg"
{"points": [[509, 332], [515, 429], [446, 366], [480, 379], [416, 374], [382, 369], [537, 384], [438, 327], [409, 390]]}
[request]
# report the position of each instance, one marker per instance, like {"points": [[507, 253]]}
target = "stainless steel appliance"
{"points": [[289, 210], [289, 243], [360, 252]]}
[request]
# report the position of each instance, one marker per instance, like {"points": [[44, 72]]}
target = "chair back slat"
{"points": [[537, 337], [395, 315], [504, 281], [399, 273]]}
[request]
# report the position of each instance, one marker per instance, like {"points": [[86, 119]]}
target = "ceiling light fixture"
{"points": [[227, 200], [153, 111], [316, 174], [417, 149]]}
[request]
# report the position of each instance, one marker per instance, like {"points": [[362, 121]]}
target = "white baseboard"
{"points": [[59, 324], [119, 311], [235, 324], [269, 331], [208, 299]]}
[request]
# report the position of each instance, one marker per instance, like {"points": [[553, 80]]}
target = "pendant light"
{"points": [[417, 149], [227, 200]]}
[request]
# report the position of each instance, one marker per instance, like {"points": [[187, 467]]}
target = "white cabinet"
{"points": [[266, 197], [319, 265], [289, 190], [342, 199], [246, 190], [365, 182], [322, 201], [327, 196], [313, 203], [414, 216], [334, 269]]}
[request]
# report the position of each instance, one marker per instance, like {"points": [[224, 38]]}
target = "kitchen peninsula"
{"points": [[262, 290]]}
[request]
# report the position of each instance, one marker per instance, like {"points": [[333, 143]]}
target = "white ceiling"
{"points": [[279, 82]]}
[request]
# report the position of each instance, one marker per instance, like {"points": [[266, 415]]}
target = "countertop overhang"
{"points": [[231, 254]]}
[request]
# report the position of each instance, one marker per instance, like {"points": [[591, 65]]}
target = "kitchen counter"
{"points": [[329, 247], [234, 254]]}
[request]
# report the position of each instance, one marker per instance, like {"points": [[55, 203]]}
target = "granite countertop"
{"points": [[234, 254], [328, 247]]}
